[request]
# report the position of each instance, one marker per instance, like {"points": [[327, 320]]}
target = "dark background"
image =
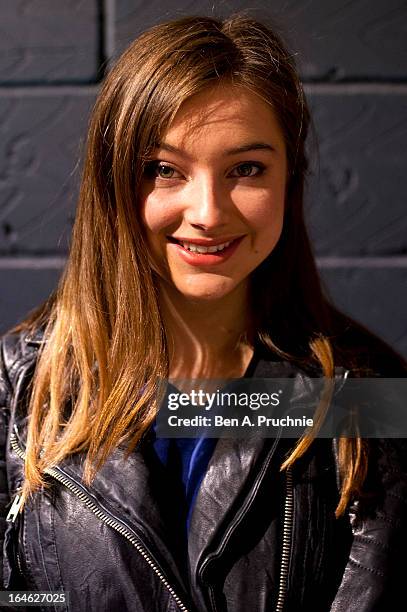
{"points": [[353, 60]]}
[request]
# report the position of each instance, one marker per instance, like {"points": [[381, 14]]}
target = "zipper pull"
{"points": [[15, 508]]}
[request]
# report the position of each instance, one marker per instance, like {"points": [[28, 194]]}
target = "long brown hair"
{"points": [[105, 345]]}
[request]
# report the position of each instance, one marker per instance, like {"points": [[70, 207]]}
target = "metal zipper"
{"points": [[15, 508], [103, 515], [287, 537], [126, 532], [11, 517]]}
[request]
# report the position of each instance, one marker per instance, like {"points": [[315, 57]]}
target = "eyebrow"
{"points": [[251, 146]]}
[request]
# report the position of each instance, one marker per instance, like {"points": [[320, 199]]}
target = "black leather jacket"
{"points": [[260, 540]]}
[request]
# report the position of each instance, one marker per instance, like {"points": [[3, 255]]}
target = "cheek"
{"points": [[264, 213], [156, 215]]}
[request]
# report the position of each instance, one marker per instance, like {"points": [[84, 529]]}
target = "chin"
{"points": [[201, 291]]}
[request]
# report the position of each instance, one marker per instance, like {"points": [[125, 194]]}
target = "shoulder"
{"points": [[357, 348], [18, 349]]}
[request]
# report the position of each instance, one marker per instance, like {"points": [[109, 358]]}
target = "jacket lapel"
{"points": [[138, 492], [231, 480]]}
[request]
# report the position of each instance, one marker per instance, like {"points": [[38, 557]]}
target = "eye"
{"points": [[248, 169], [157, 169]]}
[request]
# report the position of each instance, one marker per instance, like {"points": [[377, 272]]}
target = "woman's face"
{"points": [[213, 194]]}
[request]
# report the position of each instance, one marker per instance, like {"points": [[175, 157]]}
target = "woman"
{"points": [[190, 259]]}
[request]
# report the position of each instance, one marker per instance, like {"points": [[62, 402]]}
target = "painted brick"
{"points": [[332, 40], [41, 136], [377, 297], [25, 289], [358, 194], [47, 41]]}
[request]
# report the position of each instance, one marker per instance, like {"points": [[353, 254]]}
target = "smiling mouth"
{"points": [[202, 249]]}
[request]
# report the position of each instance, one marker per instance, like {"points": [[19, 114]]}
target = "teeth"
{"points": [[195, 248]]}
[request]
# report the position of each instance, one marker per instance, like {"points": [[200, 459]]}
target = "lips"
{"points": [[205, 252], [205, 242]]}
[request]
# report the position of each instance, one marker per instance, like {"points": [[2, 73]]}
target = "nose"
{"points": [[208, 204]]}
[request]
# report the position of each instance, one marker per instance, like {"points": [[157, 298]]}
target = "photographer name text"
{"points": [[244, 421]]}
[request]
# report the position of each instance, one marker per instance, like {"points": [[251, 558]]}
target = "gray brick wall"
{"points": [[353, 59]]}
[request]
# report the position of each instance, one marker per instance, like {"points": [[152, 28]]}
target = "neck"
{"points": [[206, 338]]}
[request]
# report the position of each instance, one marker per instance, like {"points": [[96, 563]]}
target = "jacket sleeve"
{"points": [[5, 394], [375, 575]]}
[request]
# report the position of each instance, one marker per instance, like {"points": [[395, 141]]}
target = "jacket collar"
{"points": [[35, 337]]}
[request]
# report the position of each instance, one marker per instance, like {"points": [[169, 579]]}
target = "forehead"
{"points": [[225, 111]]}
